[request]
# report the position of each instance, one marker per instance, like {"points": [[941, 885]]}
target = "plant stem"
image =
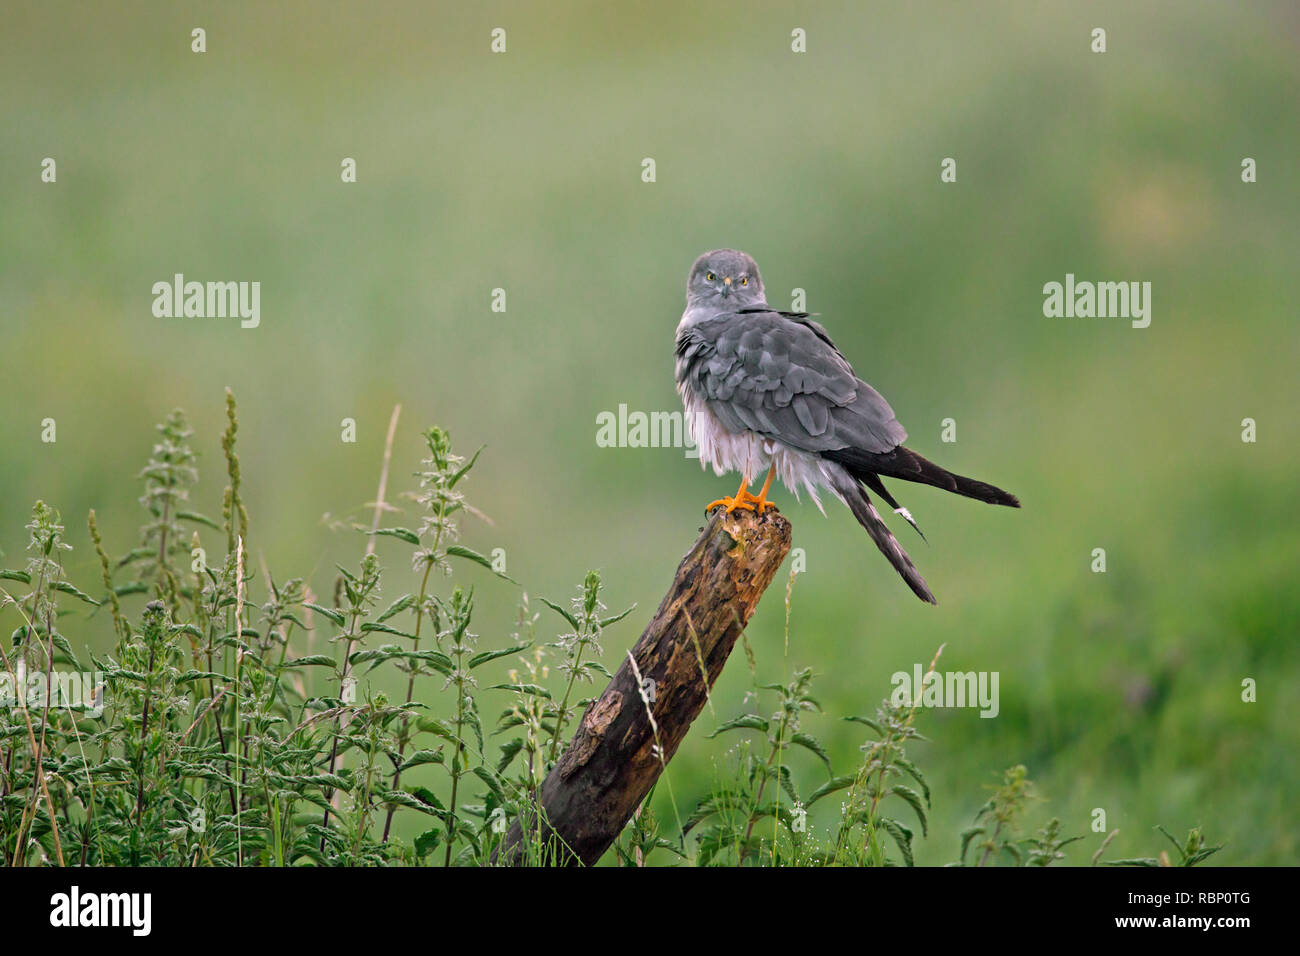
{"points": [[338, 724], [564, 702], [758, 797], [402, 738], [455, 765]]}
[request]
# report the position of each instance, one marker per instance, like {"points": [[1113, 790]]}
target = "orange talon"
{"points": [[733, 504], [744, 501], [761, 501], [739, 503]]}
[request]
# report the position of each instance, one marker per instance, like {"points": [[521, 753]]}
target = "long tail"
{"points": [[872, 481], [908, 465], [856, 498]]}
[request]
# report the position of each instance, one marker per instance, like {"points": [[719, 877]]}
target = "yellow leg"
{"points": [[741, 501], [761, 501]]}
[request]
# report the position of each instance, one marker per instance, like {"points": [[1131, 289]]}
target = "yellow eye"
{"points": [[744, 281], [710, 276]]}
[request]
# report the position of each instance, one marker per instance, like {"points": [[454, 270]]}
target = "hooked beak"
{"points": [[726, 286]]}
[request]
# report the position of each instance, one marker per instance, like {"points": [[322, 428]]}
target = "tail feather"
{"points": [[873, 482], [909, 466], [856, 498]]}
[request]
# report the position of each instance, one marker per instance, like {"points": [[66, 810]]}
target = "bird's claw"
{"points": [[742, 502], [731, 504]]}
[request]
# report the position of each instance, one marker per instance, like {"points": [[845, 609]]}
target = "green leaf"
{"points": [[397, 607], [596, 666], [188, 676], [1201, 855], [67, 588], [787, 783], [371, 626], [422, 757], [573, 621], [471, 719], [869, 722], [1143, 861], [400, 798], [314, 660], [436, 727], [915, 774], [198, 519], [425, 794], [427, 841], [617, 617], [719, 801], [486, 656], [747, 722], [902, 836], [966, 836], [321, 780], [406, 534], [65, 647], [913, 799], [809, 742], [829, 787], [1170, 837], [509, 751], [470, 555], [493, 784], [377, 655], [329, 612], [532, 690], [7, 575], [464, 470], [135, 554]]}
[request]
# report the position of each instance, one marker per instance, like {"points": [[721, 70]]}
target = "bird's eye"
{"points": [[710, 276], [744, 281]]}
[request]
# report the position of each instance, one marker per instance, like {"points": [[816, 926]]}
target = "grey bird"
{"points": [[768, 389]]}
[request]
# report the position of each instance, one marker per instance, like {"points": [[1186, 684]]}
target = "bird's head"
{"points": [[726, 278]]}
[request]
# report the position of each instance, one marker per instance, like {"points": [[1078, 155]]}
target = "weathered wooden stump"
{"points": [[618, 752]]}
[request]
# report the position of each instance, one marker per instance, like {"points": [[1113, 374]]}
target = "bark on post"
{"points": [[617, 753]]}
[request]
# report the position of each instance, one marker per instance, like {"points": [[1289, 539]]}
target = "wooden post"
{"points": [[617, 753]]}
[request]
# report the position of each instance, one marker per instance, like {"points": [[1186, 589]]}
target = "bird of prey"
{"points": [[768, 389]]}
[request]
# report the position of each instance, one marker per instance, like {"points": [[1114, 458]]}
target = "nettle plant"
{"points": [[239, 718], [757, 814], [208, 738]]}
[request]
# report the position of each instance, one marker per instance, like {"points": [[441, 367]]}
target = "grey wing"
{"points": [[781, 377]]}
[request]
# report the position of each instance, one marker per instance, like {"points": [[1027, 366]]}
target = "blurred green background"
{"points": [[523, 171]]}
